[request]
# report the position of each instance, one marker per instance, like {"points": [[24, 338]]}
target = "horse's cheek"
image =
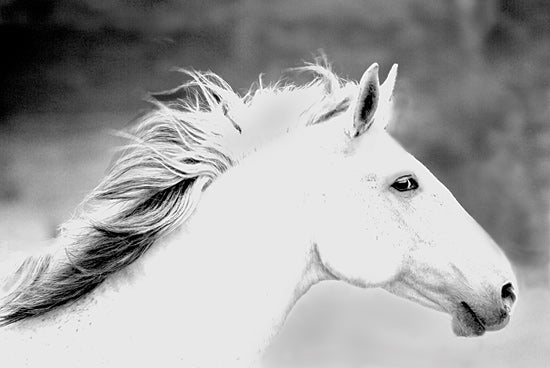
{"points": [[364, 261], [383, 262]]}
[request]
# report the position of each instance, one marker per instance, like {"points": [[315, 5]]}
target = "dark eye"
{"points": [[405, 183]]}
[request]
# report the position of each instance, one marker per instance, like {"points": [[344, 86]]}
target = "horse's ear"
{"points": [[386, 89], [367, 102], [385, 108]]}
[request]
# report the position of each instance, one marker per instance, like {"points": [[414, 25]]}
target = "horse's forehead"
{"points": [[382, 153]]}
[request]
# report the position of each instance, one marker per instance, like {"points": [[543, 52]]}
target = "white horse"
{"points": [[226, 210]]}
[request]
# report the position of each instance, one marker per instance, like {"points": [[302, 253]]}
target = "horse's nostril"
{"points": [[504, 312], [508, 293]]}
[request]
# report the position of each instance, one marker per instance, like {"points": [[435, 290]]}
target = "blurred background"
{"points": [[473, 104]]}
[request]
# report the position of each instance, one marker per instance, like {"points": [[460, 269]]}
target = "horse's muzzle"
{"points": [[475, 319]]}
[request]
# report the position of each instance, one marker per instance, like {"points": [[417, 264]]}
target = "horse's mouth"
{"points": [[466, 322]]}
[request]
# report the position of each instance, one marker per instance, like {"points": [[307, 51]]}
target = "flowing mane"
{"points": [[193, 135]]}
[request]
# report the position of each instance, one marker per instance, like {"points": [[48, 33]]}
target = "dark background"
{"points": [[473, 95]]}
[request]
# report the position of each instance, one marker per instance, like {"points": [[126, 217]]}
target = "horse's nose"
{"points": [[508, 295], [499, 317], [497, 313]]}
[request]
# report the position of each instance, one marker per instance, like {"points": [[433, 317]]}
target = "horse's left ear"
{"points": [[370, 94], [367, 101]]}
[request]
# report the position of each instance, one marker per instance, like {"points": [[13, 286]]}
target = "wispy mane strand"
{"points": [[192, 136]]}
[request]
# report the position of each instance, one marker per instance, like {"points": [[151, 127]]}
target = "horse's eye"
{"points": [[405, 183]]}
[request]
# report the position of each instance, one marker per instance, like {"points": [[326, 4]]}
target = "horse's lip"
{"points": [[467, 322], [469, 309]]}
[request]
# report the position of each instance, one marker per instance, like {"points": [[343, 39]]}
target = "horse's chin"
{"points": [[466, 322]]}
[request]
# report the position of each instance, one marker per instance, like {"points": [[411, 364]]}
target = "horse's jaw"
{"points": [[475, 307]]}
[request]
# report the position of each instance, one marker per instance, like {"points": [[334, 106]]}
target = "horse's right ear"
{"points": [[367, 101]]}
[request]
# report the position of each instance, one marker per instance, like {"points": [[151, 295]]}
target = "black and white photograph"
{"points": [[275, 183]]}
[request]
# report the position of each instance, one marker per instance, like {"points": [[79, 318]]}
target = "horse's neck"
{"points": [[246, 255], [220, 287], [236, 268]]}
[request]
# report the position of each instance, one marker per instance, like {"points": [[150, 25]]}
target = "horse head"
{"points": [[383, 219]]}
